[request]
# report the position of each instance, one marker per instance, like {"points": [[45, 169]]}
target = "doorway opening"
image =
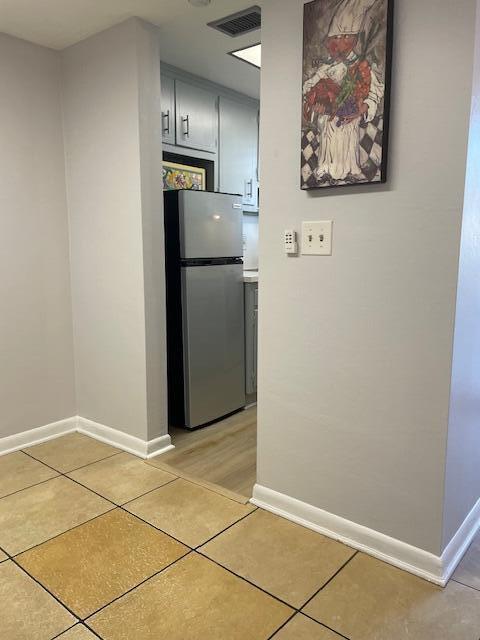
{"points": [[210, 123]]}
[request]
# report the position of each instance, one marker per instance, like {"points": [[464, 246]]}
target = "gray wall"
{"points": [[150, 122], [109, 159], [463, 457], [355, 349], [36, 348]]}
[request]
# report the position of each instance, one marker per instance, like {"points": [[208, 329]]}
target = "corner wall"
{"points": [[462, 485], [36, 344], [111, 82], [354, 381]]}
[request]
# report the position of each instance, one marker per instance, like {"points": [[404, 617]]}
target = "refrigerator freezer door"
{"points": [[214, 342], [210, 225]]}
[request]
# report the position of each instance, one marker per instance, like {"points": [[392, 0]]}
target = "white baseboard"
{"points": [[458, 545], [436, 569], [9, 444], [141, 448]]}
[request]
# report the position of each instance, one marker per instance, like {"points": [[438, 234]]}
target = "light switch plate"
{"points": [[317, 238]]}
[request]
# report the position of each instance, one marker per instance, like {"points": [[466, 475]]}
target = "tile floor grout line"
{"points": [[63, 475], [92, 631], [89, 464], [329, 580], [290, 606], [468, 586], [142, 495], [322, 624], [177, 539], [157, 528], [57, 535], [230, 526], [47, 590], [88, 489], [37, 460], [30, 486], [76, 468], [295, 613], [154, 575], [77, 616], [66, 630], [120, 506], [114, 506]]}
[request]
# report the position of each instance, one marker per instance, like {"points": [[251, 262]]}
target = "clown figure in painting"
{"points": [[343, 94]]}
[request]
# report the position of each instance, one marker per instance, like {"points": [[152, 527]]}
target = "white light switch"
{"points": [[317, 238]]}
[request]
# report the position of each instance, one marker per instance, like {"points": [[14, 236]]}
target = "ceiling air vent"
{"points": [[238, 24]]}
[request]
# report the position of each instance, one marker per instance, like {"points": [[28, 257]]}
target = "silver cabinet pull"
{"points": [[250, 189], [186, 125], [166, 119]]}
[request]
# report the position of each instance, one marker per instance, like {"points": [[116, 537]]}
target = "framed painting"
{"points": [[347, 54], [181, 176]]}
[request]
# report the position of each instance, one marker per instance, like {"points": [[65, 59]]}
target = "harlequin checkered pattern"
{"points": [[371, 135]]}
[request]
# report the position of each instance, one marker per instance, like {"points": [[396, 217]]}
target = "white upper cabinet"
{"points": [[168, 109], [196, 117], [238, 150]]}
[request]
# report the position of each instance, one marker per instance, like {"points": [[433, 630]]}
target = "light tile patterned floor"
{"points": [[78, 632], [188, 512], [121, 550]]}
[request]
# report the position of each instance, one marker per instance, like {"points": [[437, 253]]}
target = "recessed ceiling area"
{"points": [[252, 55], [186, 40]]}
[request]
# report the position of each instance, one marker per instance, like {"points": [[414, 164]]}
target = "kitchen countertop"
{"points": [[250, 276]]}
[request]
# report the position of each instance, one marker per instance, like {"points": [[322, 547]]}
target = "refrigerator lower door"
{"points": [[213, 342]]}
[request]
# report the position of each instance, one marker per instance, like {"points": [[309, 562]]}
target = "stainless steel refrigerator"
{"points": [[205, 306]]}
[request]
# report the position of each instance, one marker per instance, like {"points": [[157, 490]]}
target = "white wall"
{"points": [[36, 347], [250, 241], [463, 457], [109, 159], [355, 349]]}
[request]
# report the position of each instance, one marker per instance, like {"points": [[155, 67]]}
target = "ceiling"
{"points": [[186, 41]]}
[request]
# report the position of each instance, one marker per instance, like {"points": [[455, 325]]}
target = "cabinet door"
{"points": [[168, 109], [196, 117], [238, 150]]}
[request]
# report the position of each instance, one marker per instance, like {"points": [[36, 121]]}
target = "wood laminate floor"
{"points": [[224, 453]]}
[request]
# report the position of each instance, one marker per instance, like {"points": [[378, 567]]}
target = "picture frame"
{"points": [[182, 176], [346, 85]]}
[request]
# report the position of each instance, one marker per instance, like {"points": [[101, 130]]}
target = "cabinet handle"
{"points": [[250, 189], [186, 125], [166, 118]]}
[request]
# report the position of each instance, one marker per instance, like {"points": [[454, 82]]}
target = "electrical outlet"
{"points": [[290, 240], [317, 238]]}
